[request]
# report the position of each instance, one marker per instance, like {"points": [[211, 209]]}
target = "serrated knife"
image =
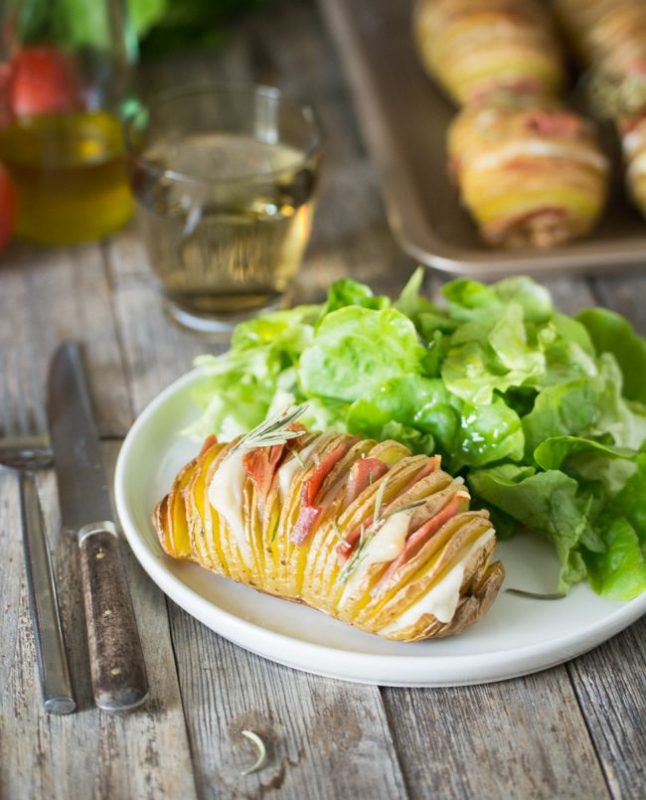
{"points": [[118, 673]]}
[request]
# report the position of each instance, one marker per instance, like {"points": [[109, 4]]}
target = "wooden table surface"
{"points": [[575, 731]]}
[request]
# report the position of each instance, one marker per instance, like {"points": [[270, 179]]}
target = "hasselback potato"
{"points": [[610, 38], [529, 175], [364, 531], [477, 49]]}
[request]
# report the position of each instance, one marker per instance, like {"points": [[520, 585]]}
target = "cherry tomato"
{"points": [[43, 81], [7, 207]]}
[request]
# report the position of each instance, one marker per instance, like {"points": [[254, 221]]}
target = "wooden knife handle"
{"points": [[117, 667]]}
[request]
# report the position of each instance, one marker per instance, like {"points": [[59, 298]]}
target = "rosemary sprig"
{"points": [[408, 506], [271, 432], [379, 499], [355, 559]]}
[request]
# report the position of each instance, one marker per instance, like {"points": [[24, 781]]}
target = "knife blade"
{"points": [[118, 673]]}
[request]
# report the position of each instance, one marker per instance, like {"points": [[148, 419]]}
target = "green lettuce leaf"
{"points": [[548, 503], [611, 333], [356, 349]]}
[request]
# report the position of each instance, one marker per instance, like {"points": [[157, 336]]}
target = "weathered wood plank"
{"points": [[47, 295], [522, 739], [325, 739], [144, 754], [611, 686]]}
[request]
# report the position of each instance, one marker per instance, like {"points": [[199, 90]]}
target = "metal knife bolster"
{"points": [[116, 658]]}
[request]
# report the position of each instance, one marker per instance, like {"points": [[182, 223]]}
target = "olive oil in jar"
{"points": [[70, 176]]}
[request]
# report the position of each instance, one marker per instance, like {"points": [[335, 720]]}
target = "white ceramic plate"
{"points": [[517, 637]]}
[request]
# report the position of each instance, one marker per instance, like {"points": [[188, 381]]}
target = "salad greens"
{"points": [[544, 414]]}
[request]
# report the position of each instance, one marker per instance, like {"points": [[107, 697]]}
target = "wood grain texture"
{"points": [[325, 739], [46, 296], [611, 685], [88, 754], [523, 740]]}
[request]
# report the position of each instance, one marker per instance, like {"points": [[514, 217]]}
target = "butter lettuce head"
{"points": [[543, 414]]}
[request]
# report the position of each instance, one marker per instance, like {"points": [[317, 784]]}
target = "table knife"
{"points": [[118, 673]]}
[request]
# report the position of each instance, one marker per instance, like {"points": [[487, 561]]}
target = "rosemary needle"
{"points": [[271, 432], [262, 752], [536, 595]]}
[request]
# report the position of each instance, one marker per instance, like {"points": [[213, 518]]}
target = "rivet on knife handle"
{"points": [[117, 668]]}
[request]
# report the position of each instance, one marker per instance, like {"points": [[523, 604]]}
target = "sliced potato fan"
{"points": [[365, 531]]}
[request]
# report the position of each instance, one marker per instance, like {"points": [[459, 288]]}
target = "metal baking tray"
{"points": [[404, 118]]}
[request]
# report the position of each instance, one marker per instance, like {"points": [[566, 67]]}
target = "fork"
{"points": [[23, 452]]}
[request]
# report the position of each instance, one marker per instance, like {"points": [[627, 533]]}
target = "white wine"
{"points": [[231, 240]]}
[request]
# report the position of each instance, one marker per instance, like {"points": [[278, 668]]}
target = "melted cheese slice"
{"points": [[385, 546], [536, 148], [442, 600], [226, 496]]}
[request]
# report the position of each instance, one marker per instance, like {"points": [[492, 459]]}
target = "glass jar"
{"points": [[65, 71]]}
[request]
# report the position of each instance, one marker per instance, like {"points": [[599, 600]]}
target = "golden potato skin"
{"points": [[411, 488], [609, 37], [530, 175], [477, 49]]}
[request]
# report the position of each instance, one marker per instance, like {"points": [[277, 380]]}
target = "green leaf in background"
{"points": [[145, 14], [346, 292], [491, 355], [586, 459], [469, 300]]}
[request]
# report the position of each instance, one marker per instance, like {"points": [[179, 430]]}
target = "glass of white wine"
{"points": [[225, 180]]}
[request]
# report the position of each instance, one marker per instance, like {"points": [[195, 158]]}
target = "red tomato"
{"points": [[7, 207], [43, 81]]}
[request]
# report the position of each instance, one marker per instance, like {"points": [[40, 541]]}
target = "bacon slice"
{"points": [[416, 540], [363, 473], [554, 123], [344, 550], [309, 513], [307, 517], [261, 465]]}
